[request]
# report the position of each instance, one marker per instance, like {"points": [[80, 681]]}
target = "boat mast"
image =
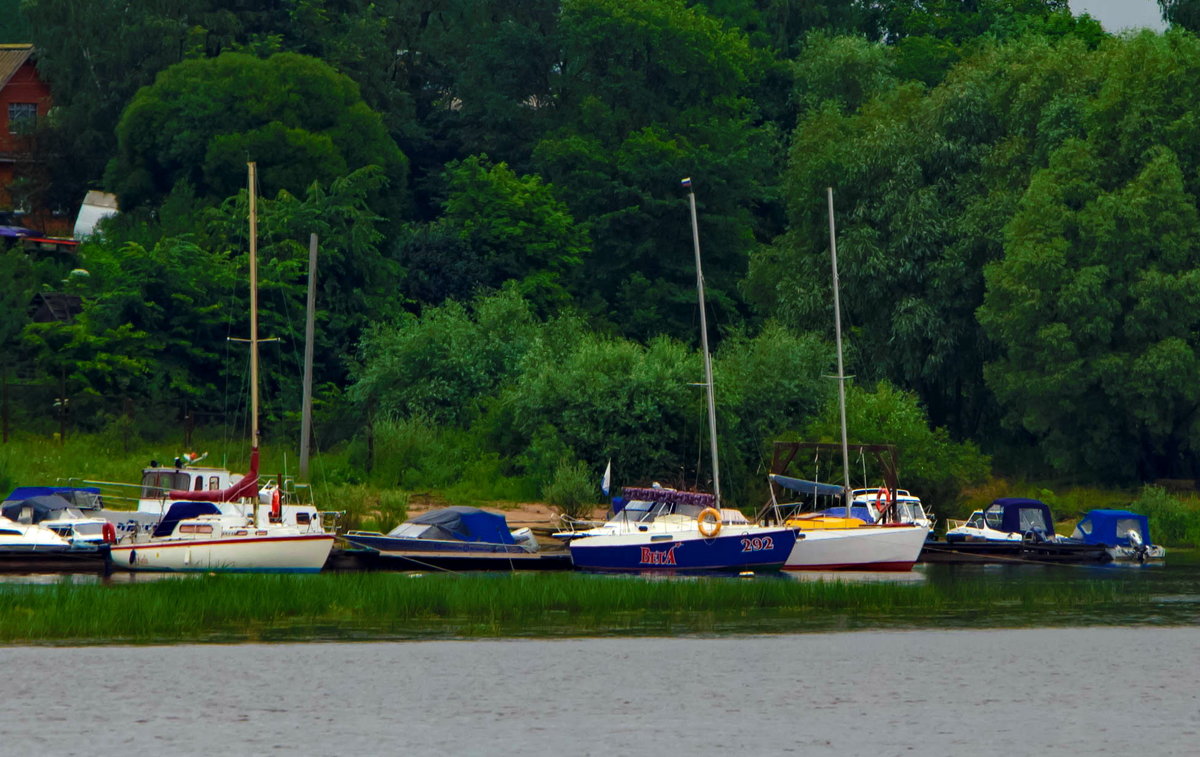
{"points": [[309, 328], [708, 377], [253, 312], [841, 374]]}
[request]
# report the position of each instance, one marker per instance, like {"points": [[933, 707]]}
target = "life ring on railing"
{"points": [[882, 497], [109, 532], [709, 526]]}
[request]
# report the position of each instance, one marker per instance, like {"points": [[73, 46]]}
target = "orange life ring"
{"points": [[708, 522], [882, 497], [109, 531], [276, 507]]}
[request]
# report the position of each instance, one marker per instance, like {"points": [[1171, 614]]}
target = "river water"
{"points": [[1041, 691]]}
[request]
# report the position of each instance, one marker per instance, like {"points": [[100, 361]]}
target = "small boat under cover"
{"points": [[454, 538]]}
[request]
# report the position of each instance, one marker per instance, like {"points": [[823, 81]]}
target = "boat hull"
{"points": [[892, 548], [455, 562], [303, 553], [744, 549]]}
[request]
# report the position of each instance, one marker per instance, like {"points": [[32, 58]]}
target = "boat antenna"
{"points": [[708, 377], [841, 374]]}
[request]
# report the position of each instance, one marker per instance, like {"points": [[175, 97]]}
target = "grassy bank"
{"points": [[392, 606]]}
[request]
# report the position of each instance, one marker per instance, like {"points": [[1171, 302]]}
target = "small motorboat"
{"points": [[56, 510], [454, 538], [1010, 529], [1008, 519], [1126, 535]]}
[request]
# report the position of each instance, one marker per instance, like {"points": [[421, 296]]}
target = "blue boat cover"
{"points": [[66, 492], [468, 524], [45, 507], [807, 487], [182, 511], [1021, 515], [1112, 527]]}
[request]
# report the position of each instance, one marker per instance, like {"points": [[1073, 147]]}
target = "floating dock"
{"points": [[1012, 552]]}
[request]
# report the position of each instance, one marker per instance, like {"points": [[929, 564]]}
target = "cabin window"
{"points": [[195, 528], [214, 483], [994, 518], [302, 519], [199, 483], [22, 118], [1126, 526], [976, 521], [1033, 519]]}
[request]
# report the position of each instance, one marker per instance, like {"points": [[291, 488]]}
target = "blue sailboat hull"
{"points": [[761, 549]]}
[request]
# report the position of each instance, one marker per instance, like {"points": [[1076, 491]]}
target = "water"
{"points": [[1078, 691]]}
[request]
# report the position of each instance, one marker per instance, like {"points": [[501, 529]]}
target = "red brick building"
{"points": [[24, 102]]}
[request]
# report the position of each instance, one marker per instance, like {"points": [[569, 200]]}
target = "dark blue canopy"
{"points": [[1112, 527], [86, 496], [807, 487], [182, 511], [467, 524], [38, 509], [1020, 515]]}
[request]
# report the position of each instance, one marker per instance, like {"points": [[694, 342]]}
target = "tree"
{"points": [[202, 120], [648, 94], [1184, 13]]}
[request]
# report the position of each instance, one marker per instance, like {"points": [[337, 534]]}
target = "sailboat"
{"points": [[664, 530], [844, 543], [197, 534]]}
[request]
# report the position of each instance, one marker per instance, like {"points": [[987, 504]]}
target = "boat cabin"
{"points": [[158, 480], [1113, 528], [1006, 519]]}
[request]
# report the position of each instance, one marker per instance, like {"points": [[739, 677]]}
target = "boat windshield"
{"points": [[976, 520], [640, 511]]}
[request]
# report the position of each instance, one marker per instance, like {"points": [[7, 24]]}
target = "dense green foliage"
{"points": [[506, 288]]}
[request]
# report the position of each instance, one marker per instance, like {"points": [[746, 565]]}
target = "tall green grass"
{"points": [[374, 606]]}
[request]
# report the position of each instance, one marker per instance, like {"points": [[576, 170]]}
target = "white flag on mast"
{"points": [[606, 481]]}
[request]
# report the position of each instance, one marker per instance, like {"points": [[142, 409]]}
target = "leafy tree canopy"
{"points": [[202, 120]]}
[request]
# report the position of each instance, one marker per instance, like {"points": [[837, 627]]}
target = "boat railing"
{"points": [[574, 525], [112, 491], [951, 523]]}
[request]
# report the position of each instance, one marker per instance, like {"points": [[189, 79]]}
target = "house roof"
{"points": [[12, 57]]}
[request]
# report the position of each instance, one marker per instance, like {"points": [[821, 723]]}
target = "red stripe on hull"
{"points": [[874, 566], [231, 540]]}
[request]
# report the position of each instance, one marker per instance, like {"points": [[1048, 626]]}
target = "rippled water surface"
{"points": [[1048, 691]]}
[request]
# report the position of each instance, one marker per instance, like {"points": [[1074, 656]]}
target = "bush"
{"points": [[1172, 522], [572, 489]]}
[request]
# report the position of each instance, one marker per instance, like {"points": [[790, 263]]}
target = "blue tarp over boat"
{"points": [[466, 524], [807, 487], [1112, 527]]}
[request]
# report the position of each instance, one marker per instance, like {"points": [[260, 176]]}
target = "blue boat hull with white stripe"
{"points": [[753, 548]]}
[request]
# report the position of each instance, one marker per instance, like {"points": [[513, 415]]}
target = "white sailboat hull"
{"points": [[866, 548], [300, 553]]}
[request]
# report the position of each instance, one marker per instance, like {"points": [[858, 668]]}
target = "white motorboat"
{"points": [[1008, 519], [29, 537], [872, 502]]}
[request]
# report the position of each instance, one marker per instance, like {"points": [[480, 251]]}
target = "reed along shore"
{"points": [[232, 608]]}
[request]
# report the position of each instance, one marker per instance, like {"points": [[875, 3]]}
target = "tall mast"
{"points": [[708, 377], [841, 374], [309, 328], [253, 312]]}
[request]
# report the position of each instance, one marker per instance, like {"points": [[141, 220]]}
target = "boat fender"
{"points": [[109, 532], [708, 522], [276, 508]]}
